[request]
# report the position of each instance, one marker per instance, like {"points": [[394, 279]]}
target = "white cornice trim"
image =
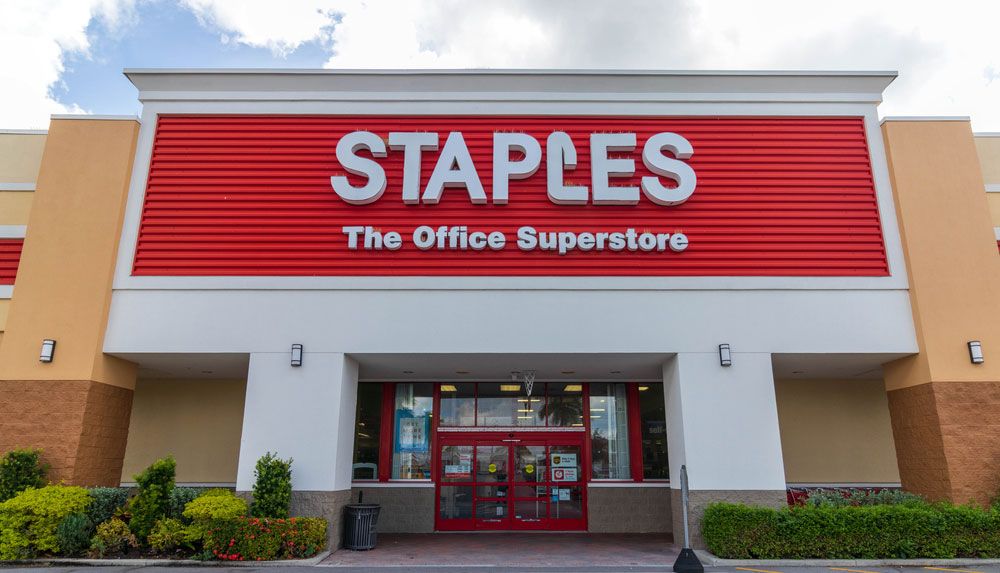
{"points": [[95, 117], [17, 186], [986, 134], [6, 292], [12, 231], [993, 187], [24, 132], [507, 85], [926, 118], [996, 232]]}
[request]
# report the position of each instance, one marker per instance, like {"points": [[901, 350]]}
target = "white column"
{"points": [[722, 422], [306, 413]]}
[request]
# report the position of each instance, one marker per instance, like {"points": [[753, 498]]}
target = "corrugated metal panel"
{"points": [[10, 256], [251, 195]]}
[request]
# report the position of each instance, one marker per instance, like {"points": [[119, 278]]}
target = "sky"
{"points": [[67, 56]]}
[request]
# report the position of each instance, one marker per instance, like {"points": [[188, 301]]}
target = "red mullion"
{"points": [[385, 432], [634, 431], [587, 463], [435, 416]]}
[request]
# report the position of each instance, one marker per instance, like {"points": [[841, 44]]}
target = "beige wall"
{"points": [[64, 279], [836, 431], [199, 422], [988, 149], [4, 305], [15, 206], [20, 157], [994, 200], [950, 250]]}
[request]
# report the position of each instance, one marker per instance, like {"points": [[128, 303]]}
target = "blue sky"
{"points": [[66, 56]]}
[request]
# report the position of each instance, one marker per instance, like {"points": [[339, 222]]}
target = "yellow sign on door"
{"points": [[493, 468]]}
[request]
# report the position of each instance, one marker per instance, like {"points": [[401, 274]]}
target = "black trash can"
{"points": [[360, 520]]}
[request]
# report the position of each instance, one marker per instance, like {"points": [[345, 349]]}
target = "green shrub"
{"points": [[19, 470], [214, 504], [107, 502], [906, 530], [28, 521], [167, 535], [180, 497], [153, 500], [113, 536], [272, 487], [74, 533], [262, 539], [842, 498]]}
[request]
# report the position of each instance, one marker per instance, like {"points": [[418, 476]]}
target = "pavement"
{"points": [[502, 569]]}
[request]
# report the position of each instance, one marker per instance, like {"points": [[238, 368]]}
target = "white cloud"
{"points": [[948, 58], [35, 38]]}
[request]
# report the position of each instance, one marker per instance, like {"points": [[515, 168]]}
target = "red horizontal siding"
{"points": [[10, 256], [251, 195]]}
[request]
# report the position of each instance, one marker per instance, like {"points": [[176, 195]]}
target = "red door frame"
{"points": [[509, 440]]}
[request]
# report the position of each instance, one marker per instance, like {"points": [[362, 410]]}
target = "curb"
{"points": [[57, 561], [710, 560]]}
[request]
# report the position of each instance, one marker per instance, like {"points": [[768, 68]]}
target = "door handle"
{"points": [[510, 440]]}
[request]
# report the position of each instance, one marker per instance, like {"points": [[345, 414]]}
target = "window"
{"points": [[505, 405], [653, 420], [609, 432], [366, 432], [411, 444]]}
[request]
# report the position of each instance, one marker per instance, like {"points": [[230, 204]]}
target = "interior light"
{"points": [[528, 410], [643, 388], [525, 417], [594, 417], [577, 424], [510, 387], [597, 409], [573, 388], [449, 388]]}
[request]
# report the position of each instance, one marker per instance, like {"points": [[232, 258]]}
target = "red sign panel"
{"points": [[252, 195], [10, 257]]}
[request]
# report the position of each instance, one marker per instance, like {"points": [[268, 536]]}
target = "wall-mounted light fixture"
{"points": [[48, 350], [976, 352], [725, 355], [296, 355]]}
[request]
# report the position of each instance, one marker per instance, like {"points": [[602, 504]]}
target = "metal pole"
{"points": [[687, 561], [684, 506]]}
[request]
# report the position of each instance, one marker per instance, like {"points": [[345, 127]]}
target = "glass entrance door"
{"points": [[521, 483]]}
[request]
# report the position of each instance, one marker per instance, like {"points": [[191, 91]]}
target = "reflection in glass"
{"points": [[491, 509], [491, 464], [458, 404], [653, 418], [564, 405], [366, 432], [530, 509], [566, 502], [529, 463], [456, 502], [414, 406], [456, 463], [609, 431]]}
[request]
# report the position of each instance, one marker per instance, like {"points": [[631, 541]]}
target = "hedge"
{"points": [[263, 539], [29, 520], [940, 531]]}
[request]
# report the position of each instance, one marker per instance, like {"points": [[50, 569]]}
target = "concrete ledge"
{"points": [[167, 562], [709, 560]]}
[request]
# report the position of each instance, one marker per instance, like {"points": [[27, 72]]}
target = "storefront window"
{"points": [[653, 419], [458, 404], [609, 431], [411, 444], [564, 405], [506, 404], [366, 432]]}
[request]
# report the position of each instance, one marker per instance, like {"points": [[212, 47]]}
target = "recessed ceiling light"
{"points": [[573, 388], [510, 387], [407, 371], [448, 388], [643, 388], [798, 371], [568, 372], [616, 371], [208, 372], [461, 372]]}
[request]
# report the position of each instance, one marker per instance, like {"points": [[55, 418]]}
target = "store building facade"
{"points": [[506, 300]]}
